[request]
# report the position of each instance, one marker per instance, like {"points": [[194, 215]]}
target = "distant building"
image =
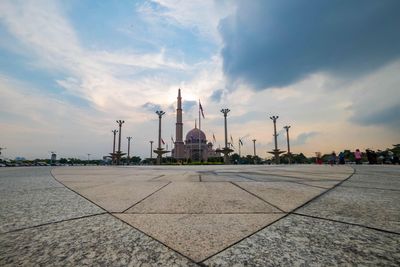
{"points": [[195, 146]]}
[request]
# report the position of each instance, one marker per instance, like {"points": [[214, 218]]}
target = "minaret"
{"points": [[179, 145]]}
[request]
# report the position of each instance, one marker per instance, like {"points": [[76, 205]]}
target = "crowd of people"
{"points": [[357, 157]]}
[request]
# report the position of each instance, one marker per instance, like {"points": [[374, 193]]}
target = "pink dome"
{"points": [[194, 135]]}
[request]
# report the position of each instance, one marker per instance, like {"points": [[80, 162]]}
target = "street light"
{"points": [[159, 150], [287, 127], [113, 153], [129, 147], [276, 151], [119, 152], [226, 150]]}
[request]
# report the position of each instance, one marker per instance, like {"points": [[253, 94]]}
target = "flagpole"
{"points": [[200, 156]]}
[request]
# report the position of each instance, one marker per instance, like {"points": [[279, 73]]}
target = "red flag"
{"points": [[201, 110], [214, 138], [172, 139], [162, 141]]}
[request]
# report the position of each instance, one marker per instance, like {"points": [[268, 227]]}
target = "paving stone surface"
{"points": [[26, 178], [201, 198], [119, 195], [101, 240], [284, 195], [199, 236], [301, 241], [198, 212], [34, 207], [371, 207]]}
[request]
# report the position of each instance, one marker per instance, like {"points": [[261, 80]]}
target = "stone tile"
{"points": [[119, 196], [201, 198], [323, 184], [34, 207], [284, 195], [223, 178], [387, 170], [379, 181], [94, 241], [178, 177], [199, 235], [302, 241], [370, 207], [26, 178]]}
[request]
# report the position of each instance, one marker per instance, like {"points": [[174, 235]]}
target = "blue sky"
{"points": [[69, 69]]}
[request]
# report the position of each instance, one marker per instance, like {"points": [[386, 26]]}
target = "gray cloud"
{"points": [[387, 116], [149, 106], [217, 95], [303, 138], [188, 104], [276, 43]]}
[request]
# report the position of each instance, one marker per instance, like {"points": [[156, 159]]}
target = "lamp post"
{"points": [[287, 127], [159, 149], [226, 150], [113, 153], [151, 150], [88, 158], [129, 148], [276, 151], [254, 146], [119, 152]]}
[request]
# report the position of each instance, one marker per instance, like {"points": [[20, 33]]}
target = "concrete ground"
{"points": [[200, 215]]}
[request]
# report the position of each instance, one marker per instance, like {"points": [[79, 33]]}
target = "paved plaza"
{"points": [[238, 215]]}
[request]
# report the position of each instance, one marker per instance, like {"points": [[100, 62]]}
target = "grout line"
{"points": [[259, 197], [56, 222], [197, 213], [240, 240], [146, 197], [286, 215], [140, 231], [348, 223], [159, 176], [326, 191]]}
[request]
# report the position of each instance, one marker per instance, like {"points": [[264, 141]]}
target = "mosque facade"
{"points": [[195, 147]]}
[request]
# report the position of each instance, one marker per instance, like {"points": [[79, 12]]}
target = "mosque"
{"points": [[195, 146]]}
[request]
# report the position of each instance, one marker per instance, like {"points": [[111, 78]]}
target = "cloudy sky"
{"points": [[69, 69]]}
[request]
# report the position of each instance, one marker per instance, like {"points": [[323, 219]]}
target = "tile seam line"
{"points": [[191, 213], [56, 222], [136, 203], [347, 223], [260, 198], [283, 217], [140, 231]]}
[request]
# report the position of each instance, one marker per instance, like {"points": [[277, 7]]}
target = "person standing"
{"points": [[357, 156], [341, 158], [333, 158]]}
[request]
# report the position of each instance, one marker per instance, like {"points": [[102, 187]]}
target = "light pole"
{"points": [[159, 150], [254, 149], [119, 152], [226, 150], [276, 151], [88, 158], [113, 153], [151, 150], [129, 147], [287, 127]]}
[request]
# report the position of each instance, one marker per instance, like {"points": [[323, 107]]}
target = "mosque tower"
{"points": [[179, 145]]}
